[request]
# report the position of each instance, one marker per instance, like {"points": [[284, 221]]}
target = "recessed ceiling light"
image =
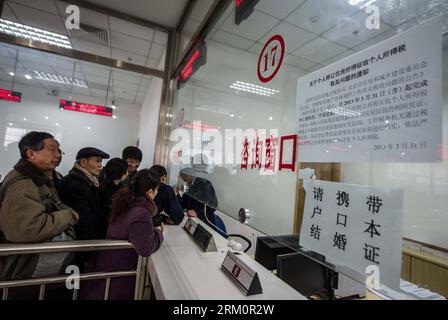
{"points": [[52, 77], [28, 77], [253, 88], [57, 123], [35, 34], [24, 119], [88, 128], [270, 118], [232, 115], [113, 107], [114, 116], [11, 74], [10, 124]]}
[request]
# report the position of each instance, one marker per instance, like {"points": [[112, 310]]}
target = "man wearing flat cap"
{"points": [[80, 190]]}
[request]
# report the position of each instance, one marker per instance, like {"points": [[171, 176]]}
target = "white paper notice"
{"points": [[355, 226], [382, 104]]}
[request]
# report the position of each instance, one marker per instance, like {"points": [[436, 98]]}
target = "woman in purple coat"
{"points": [[130, 220]]}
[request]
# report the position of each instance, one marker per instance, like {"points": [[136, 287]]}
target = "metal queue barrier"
{"points": [[74, 246]]}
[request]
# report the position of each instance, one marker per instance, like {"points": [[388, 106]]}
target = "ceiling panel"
{"points": [[326, 14], [161, 37], [157, 51], [397, 12], [232, 40], [299, 62], [7, 62], [278, 9], [7, 14], [294, 36], [45, 5], [98, 93], [128, 57], [126, 77], [256, 49], [254, 28], [338, 57], [38, 18], [131, 29], [128, 43], [383, 36], [83, 91], [166, 12], [94, 79], [319, 49], [90, 47], [96, 70], [145, 82], [153, 63], [352, 31]]}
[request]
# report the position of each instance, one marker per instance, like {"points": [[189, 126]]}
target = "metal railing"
{"points": [[73, 246]]}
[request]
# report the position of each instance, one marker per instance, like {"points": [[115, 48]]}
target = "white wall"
{"points": [[107, 134], [149, 119]]}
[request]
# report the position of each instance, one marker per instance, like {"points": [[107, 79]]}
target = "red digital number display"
{"points": [[11, 96], [86, 108], [194, 61]]}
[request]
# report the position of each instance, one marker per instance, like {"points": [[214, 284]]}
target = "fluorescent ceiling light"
{"points": [[35, 34], [252, 88], [59, 79]]}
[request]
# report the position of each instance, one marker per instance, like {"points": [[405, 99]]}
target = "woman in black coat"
{"points": [[116, 171]]}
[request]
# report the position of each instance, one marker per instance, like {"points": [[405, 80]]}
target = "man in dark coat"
{"points": [[166, 200], [80, 190]]}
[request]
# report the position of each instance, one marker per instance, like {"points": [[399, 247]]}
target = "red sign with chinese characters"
{"points": [[271, 58], [86, 108], [11, 96], [256, 153]]}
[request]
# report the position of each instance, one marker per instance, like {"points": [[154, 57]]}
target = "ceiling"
{"points": [[127, 41], [164, 12], [123, 86], [320, 32]]}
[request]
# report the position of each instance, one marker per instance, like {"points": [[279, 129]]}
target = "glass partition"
{"points": [[240, 118]]}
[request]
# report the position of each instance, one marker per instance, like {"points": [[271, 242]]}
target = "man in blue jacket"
{"points": [[166, 200]]}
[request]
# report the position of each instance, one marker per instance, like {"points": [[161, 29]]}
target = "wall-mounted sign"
{"points": [[269, 155], [12, 96], [192, 64], [271, 58], [243, 9], [382, 104], [355, 226], [86, 108]]}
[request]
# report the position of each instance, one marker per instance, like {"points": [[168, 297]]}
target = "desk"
{"points": [[179, 270]]}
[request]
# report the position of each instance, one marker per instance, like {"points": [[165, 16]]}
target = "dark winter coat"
{"points": [[167, 201], [78, 191]]}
